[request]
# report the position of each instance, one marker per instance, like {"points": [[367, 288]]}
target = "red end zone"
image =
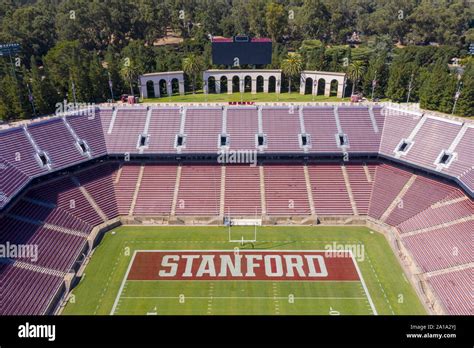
{"points": [[242, 265]]}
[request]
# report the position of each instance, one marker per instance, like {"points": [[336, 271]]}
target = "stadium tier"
{"points": [[427, 203]]}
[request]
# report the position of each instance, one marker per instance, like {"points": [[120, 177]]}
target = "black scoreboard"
{"points": [[240, 50]]}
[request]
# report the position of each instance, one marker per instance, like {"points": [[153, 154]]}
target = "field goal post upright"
{"points": [[242, 222]]}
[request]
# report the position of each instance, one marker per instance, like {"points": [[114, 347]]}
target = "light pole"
{"points": [[457, 95], [111, 86], [31, 99], [374, 83], [278, 90], [241, 88], [410, 87]]}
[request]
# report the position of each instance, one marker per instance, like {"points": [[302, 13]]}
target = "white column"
{"points": [[143, 90], [181, 86], [218, 85], [242, 84], [340, 88], [327, 88], [156, 88], [302, 85], [169, 88], [229, 86], [254, 85], [265, 85]]}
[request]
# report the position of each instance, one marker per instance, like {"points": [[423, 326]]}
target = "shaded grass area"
{"points": [[200, 97], [95, 294]]}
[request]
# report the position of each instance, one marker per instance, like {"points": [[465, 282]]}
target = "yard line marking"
{"points": [[108, 280], [275, 296], [380, 284], [241, 297], [209, 303], [374, 311], [123, 284]]}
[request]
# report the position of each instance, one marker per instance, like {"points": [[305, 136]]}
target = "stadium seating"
{"points": [[429, 141], [242, 190], [356, 123], [89, 129], [56, 250], [455, 291], [443, 247], [125, 182], [199, 190], [329, 190], [360, 185], [98, 183], [388, 183], [285, 190], [398, 125], [202, 129], [164, 125], [242, 126], [67, 196], [54, 138], [156, 190], [125, 130], [321, 124], [419, 196], [25, 291], [282, 127]]}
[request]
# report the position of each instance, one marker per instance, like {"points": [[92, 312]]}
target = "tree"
{"points": [[438, 89], [276, 20], [128, 72], [256, 12], [292, 67], [44, 95], [192, 66], [355, 71], [31, 27], [313, 20], [13, 98]]}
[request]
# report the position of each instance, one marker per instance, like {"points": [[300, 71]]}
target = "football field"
{"points": [[139, 270]]}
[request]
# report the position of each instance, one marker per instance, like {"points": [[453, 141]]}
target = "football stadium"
{"points": [[237, 209], [251, 171]]}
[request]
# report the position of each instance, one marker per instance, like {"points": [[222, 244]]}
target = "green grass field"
{"points": [[200, 97], [100, 287]]}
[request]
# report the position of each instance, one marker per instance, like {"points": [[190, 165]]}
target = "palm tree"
{"points": [[291, 67], [129, 73], [192, 66], [355, 72]]}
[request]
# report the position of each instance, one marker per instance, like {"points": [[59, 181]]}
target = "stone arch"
{"points": [[163, 87], [321, 86], [211, 84], [223, 81], [333, 88], [235, 84], [259, 81], [247, 83], [308, 88], [272, 84], [150, 89]]}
